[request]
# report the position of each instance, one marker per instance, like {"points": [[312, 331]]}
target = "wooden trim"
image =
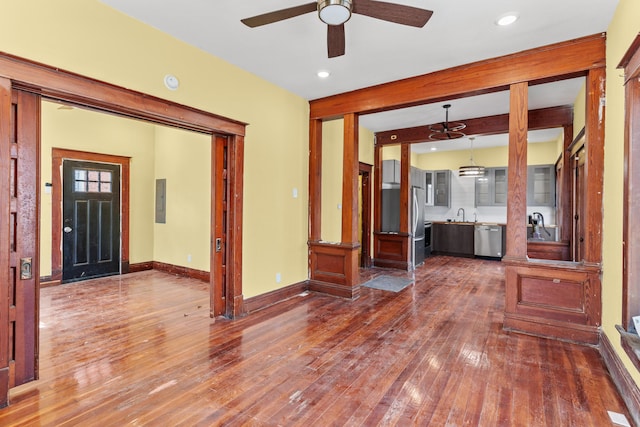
{"points": [[594, 166], [51, 82], [539, 64], [179, 270], [350, 172], [57, 157], [140, 266], [544, 118], [620, 375], [577, 143], [334, 269], [565, 193], [218, 203], [517, 172], [555, 299], [235, 177], [392, 250], [631, 60], [268, 299], [365, 244], [631, 201], [315, 180], [5, 244]]}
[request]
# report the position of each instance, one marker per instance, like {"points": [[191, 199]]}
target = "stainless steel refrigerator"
{"points": [[391, 218]]}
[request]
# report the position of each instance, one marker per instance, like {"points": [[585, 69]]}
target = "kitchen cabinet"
{"points": [[442, 188], [428, 187], [491, 189], [453, 239], [391, 171], [541, 185], [417, 177]]}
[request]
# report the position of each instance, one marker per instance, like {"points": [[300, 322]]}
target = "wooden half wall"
{"points": [[573, 288]]}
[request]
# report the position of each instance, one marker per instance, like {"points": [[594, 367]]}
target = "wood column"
{"points": [[350, 172], [594, 165], [5, 217], [566, 201], [235, 177], [517, 200], [405, 188], [315, 180], [334, 267]]}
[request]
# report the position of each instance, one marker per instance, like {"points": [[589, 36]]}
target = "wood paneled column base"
{"points": [[392, 250], [334, 269], [553, 299], [4, 387]]}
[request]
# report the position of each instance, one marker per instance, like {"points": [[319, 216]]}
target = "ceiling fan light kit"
{"points": [[334, 12], [446, 130]]}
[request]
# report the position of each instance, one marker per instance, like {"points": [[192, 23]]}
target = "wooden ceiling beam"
{"points": [[544, 64], [544, 118]]}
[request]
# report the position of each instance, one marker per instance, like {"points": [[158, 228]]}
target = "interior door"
{"points": [[579, 187], [219, 224], [91, 220], [19, 204]]}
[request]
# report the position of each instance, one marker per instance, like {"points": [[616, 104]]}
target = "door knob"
{"points": [[68, 229]]}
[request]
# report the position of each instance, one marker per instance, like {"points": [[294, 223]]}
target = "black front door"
{"points": [[91, 220]]}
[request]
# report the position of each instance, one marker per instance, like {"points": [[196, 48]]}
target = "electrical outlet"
{"points": [[278, 278], [295, 193], [189, 258]]}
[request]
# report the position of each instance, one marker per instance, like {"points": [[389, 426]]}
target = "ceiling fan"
{"points": [[335, 13]]}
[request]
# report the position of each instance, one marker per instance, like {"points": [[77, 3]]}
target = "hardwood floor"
{"points": [[141, 350]]}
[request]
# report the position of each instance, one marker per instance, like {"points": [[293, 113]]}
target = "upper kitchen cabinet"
{"points": [[442, 188], [391, 174], [541, 185], [391, 171], [491, 189], [417, 177]]}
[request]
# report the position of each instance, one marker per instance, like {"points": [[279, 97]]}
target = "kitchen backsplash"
{"points": [[463, 196]]}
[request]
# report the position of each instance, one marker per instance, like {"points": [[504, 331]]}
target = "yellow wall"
{"points": [[332, 149], [184, 160], [89, 38], [84, 130], [542, 153], [623, 29]]}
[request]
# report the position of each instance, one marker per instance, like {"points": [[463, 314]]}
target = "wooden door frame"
{"points": [[365, 244], [59, 85], [58, 155]]}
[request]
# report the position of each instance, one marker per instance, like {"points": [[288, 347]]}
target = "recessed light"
{"points": [[323, 74], [433, 148], [507, 19]]}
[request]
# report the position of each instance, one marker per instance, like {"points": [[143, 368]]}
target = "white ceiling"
{"points": [[290, 53]]}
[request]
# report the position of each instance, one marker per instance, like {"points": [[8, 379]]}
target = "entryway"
{"points": [[91, 220]]}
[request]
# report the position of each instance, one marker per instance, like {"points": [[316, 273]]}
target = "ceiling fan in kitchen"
{"points": [[335, 13]]}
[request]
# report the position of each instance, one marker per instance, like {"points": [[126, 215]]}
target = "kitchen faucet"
{"points": [[458, 214]]}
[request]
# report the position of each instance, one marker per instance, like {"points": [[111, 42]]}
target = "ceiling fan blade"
{"points": [[335, 40], [398, 13], [279, 15]]}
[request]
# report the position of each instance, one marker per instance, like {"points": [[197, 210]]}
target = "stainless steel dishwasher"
{"points": [[488, 240]]}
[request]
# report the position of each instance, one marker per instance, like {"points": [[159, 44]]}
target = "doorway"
{"points": [[20, 175], [91, 220], [364, 215]]}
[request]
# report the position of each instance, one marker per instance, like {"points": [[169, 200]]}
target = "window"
{"points": [[631, 221], [92, 181]]}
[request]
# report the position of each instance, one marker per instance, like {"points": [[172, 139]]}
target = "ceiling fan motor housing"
{"points": [[334, 12]]}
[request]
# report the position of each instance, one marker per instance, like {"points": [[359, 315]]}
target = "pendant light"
{"points": [[446, 130], [471, 170]]}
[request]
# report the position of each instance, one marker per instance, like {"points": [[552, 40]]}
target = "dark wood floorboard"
{"points": [[141, 350]]}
